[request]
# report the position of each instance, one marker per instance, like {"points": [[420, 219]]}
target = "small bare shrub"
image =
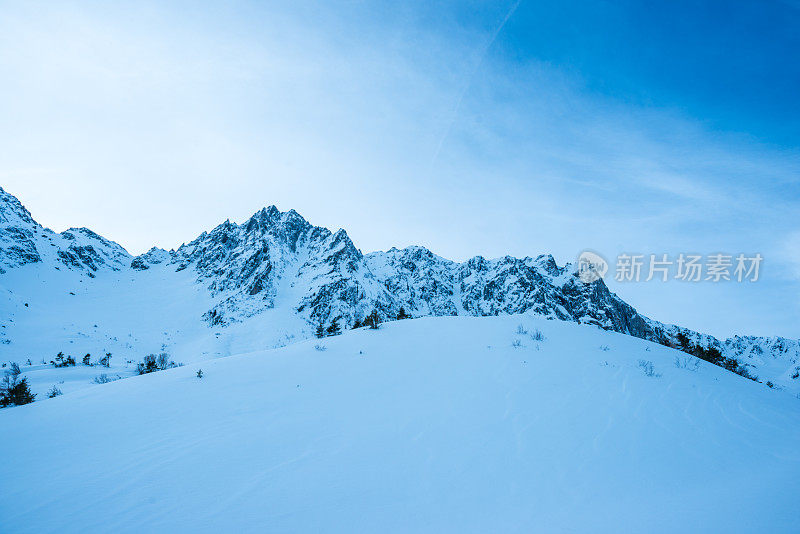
{"points": [[647, 367], [103, 378], [687, 362]]}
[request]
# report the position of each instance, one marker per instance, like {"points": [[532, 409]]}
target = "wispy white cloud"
{"points": [[162, 121]]}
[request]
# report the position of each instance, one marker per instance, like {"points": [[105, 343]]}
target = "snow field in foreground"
{"points": [[435, 425]]}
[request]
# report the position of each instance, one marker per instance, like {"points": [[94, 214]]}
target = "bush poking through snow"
{"points": [[87, 359], [647, 367], [13, 390], [605, 348], [320, 348], [105, 361], [537, 335], [16, 393], [63, 361], [687, 362], [521, 330], [54, 392], [152, 363], [147, 365], [516, 343], [199, 373]]}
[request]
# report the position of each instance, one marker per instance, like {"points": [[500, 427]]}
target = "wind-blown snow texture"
{"points": [[446, 424], [270, 281]]}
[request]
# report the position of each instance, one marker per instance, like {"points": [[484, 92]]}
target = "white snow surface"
{"points": [[447, 424]]}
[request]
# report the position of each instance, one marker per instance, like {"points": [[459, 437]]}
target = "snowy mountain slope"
{"points": [[448, 424], [128, 313], [270, 281]]}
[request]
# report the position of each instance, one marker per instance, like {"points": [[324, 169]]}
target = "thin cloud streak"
{"points": [[149, 127]]}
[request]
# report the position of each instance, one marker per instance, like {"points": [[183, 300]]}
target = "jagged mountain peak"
{"points": [[271, 216], [13, 212], [24, 241], [154, 256]]}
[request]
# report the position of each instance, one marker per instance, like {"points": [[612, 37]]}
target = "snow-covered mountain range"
{"points": [[274, 278]]}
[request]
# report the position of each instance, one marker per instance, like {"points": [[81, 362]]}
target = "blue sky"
{"points": [[471, 128], [728, 64]]}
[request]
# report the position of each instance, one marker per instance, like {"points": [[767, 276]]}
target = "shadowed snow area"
{"points": [[450, 424]]}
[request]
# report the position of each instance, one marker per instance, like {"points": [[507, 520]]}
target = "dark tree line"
{"points": [[712, 355]]}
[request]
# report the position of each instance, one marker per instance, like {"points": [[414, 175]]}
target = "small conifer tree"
{"points": [[15, 391], [373, 320], [334, 329], [320, 331]]}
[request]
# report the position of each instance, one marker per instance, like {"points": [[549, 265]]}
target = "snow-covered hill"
{"points": [[270, 281], [447, 424]]}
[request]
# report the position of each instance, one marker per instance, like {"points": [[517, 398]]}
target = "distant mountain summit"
{"points": [[24, 241], [278, 261]]}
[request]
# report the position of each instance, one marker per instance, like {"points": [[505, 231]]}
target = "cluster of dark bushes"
{"points": [[152, 363], [63, 361], [373, 321], [68, 361]]}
